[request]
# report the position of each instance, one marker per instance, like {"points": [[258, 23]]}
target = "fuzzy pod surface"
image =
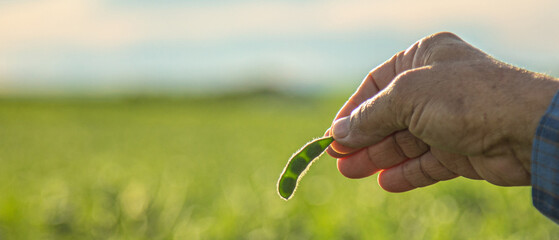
{"points": [[298, 165]]}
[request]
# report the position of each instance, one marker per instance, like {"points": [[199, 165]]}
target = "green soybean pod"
{"points": [[298, 165]]}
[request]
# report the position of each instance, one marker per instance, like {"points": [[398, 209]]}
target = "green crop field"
{"points": [[206, 168]]}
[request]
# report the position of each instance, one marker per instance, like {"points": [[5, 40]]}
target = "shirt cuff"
{"points": [[545, 163]]}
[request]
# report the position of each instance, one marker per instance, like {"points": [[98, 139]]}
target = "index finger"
{"points": [[374, 82]]}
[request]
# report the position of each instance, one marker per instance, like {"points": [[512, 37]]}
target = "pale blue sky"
{"points": [[212, 45]]}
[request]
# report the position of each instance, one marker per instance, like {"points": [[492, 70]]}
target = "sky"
{"points": [[215, 45]]}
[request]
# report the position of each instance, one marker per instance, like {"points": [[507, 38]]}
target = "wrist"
{"points": [[539, 92]]}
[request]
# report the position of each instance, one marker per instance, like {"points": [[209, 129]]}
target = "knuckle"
{"points": [[431, 46], [407, 93], [362, 116], [410, 145], [365, 121], [444, 35], [436, 170], [412, 173], [415, 174], [438, 38], [409, 170], [399, 64], [407, 82], [384, 155]]}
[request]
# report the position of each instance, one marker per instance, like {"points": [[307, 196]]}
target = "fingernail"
{"points": [[340, 128]]}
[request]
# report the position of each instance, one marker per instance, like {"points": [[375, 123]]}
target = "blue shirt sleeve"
{"points": [[545, 163]]}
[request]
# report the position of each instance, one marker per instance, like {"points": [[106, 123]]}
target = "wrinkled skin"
{"points": [[439, 110]]}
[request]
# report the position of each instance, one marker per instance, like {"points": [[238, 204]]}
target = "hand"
{"points": [[439, 110]]}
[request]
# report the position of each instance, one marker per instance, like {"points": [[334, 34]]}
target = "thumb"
{"points": [[376, 118]]}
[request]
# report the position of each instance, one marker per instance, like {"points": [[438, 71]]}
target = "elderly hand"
{"points": [[439, 110]]}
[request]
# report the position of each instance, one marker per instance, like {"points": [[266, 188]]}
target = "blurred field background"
{"points": [[173, 119], [175, 168]]}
